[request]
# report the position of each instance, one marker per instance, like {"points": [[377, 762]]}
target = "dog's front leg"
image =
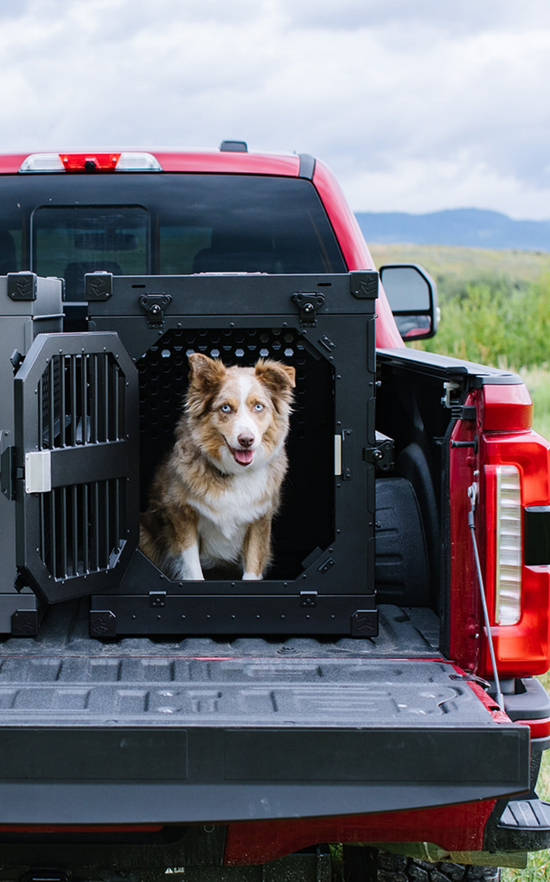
{"points": [[188, 564], [257, 549], [185, 563]]}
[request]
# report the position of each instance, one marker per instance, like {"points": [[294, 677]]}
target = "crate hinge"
{"points": [[7, 470]]}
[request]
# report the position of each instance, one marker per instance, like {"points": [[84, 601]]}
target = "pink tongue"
{"points": [[244, 457]]}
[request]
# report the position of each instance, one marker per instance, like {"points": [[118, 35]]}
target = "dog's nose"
{"points": [[246, 440]]}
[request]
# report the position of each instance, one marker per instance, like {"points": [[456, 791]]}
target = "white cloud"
{"points": [[416, 187], [416, 106]]}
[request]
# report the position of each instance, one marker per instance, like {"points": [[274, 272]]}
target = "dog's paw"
{"points": [[187, 566], [252, 577]]}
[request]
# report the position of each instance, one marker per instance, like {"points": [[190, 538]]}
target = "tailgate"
{"points": [[176, 739]]}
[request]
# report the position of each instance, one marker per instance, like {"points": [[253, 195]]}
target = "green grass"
{"points": [[452, 267], [537, 381]]}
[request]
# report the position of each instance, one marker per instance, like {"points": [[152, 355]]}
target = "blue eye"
{"points": [[225, 408], [258, 407]]}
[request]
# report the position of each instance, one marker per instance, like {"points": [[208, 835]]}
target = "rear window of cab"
{"points": [[131, 224]]}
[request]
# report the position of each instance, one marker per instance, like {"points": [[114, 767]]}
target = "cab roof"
{"points": [[223, 161]]}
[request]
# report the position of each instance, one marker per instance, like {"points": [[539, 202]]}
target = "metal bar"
{"points": [[40, 414], [84, 397], [95, 526], [472, 493], [118, 526], [42, 515], [63, 530], [62, 402], [106, 398], [85, 528], [116, 402], [51, 403], [75, 527], [107, 524], [74, 412], [53, 534], [94, 402]]}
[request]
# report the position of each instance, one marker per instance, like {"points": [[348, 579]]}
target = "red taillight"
{"points": [[89, 161], [510, 465], [518, 594]]}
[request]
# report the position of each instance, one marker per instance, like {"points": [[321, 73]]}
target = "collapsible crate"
{"points": [[322, 578], [28, 306]]}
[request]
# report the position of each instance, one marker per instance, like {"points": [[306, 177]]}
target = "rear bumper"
{"points": [[523, 824]]}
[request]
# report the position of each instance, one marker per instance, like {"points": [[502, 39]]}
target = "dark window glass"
{"points": [[233, 223], [69, 241], [67, 225]]}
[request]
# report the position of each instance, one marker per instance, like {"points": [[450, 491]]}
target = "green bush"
{"points": [[495, 322]]}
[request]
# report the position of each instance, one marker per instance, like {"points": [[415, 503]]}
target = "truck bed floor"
{"points": [[404, 633]]}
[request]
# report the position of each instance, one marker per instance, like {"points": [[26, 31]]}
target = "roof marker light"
{"points": [[42, 162], [138, 162], [84, 162]]}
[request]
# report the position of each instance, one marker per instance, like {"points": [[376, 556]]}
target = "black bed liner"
{"points": [[404, 633], [201, 730]]}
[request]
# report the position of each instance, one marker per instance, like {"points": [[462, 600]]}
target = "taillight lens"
{"points": [[516, 477], [508, 551], [512, 469], [89, 161]]}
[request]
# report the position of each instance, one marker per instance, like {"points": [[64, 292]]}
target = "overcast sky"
{"points": [[417, 105]]}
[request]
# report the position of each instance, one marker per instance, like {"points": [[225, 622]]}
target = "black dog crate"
{"points": [[28, 306], [322, 578]]}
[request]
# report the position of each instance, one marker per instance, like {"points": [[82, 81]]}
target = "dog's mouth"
{"points": [[243, 457]]}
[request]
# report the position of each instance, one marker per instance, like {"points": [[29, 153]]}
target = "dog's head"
{"points": [[239, 416]]}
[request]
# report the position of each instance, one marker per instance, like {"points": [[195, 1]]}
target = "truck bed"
{"points": [[143, 731], [404, 633]]}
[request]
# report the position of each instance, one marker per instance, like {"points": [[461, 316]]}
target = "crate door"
{"points": [[76, 437]]}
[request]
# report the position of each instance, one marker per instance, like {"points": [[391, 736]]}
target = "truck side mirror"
{"points": [[412, 295]]}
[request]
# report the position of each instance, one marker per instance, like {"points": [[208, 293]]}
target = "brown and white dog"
{"points": [[212, 500]]}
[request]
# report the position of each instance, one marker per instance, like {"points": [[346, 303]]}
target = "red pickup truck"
{"points": [[378, 695]]}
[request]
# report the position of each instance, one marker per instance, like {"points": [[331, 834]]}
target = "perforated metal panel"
{"points": [[76, 439], [307, 517]]}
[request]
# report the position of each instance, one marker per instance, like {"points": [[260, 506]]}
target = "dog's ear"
{"points": [[205, 377], [276, 376], [205, 373]]}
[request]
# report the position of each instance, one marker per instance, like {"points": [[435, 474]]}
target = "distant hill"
{"points": [[460, 226]]}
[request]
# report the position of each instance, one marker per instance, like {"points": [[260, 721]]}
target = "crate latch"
{"points": [[154, 305], [38, 471], [309, 305], [381, 455]]}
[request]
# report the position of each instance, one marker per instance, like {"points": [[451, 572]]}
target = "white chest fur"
{"points": [[224, 517]]}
